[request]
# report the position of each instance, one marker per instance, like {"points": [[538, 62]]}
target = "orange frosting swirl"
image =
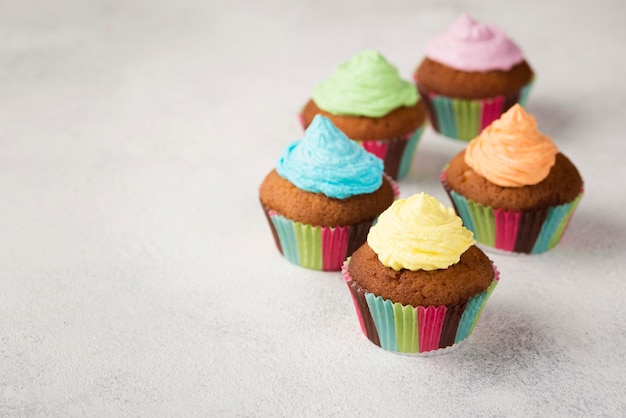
{"points": [[511, 152]]}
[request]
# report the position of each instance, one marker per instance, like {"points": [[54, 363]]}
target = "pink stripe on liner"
{"points": [[348, 279], [430, 323], [301, 120], [394, 186], [492, 109], [506, 228], [378, 148], [334, 246]]}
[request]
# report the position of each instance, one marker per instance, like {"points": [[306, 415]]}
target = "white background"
{"points": [[138, 276]]}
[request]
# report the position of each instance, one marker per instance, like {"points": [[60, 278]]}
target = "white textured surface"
{"points": [[138, 276]]}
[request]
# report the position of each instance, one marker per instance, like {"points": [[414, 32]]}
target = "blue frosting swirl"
{"points": [[327, 161]]}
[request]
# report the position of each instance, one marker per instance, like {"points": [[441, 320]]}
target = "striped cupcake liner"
{"points": [[318, 247], [529, 231], [464, 119], [421, 330], [397, 153]]}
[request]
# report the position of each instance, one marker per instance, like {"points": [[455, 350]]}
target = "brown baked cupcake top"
{"points": [[513, 166], [367, 99], [434, 77], [419, 253], [326, 179], [398, 122], [453, 285], [562, 185], [472, 60], [278, 194]]}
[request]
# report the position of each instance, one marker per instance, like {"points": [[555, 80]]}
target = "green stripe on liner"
{"points": [[467, 114], [483, 222], [407, 336], [309, 241]]}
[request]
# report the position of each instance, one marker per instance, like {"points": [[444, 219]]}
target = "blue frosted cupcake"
{"points": [[323, 196]]}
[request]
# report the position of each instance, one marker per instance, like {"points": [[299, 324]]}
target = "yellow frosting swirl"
{"points": [[511, 152], [419, 233]]}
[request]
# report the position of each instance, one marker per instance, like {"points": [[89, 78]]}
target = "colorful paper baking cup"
{"points": [[527, 231], [416, 330], [318, 247], [464, 119], [397, 153]]}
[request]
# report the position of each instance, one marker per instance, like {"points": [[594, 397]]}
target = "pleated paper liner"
{"points": [[416, 330], [528, 231], [464, 119], [397, 153], [318, 247]]}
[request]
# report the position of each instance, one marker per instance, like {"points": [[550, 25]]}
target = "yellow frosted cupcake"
{"points": [[419, 283]]}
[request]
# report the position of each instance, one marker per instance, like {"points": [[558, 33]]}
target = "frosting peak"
{"points": [[367, 85], [469, 45], [419, 233], [511, 152], [467, 29], [327, 161]]}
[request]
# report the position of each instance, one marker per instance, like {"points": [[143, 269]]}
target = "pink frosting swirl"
{"points": [[469, 45], [511, 152]]}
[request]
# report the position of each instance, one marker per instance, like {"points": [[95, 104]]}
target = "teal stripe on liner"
{"points": [[445, 115], [461, 204], [554, 226], [409, 152], [489, 291], [472, 310], [287, 238], [523, 95], [382, 314]]}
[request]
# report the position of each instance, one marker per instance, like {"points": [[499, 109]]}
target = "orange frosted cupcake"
{"points": [[512, 187]]}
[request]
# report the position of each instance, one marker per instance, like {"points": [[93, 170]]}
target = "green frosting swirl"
{"points": [[367, 85]]}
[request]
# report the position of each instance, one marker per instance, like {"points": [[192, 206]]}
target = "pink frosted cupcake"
{"points": [[323, 196], [512, 186], [419, 283], [472, 74]]}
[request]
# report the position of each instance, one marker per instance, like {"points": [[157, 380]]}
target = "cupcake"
{"points": [[367, 100], [419, 283], [472, 74], [512, 186], [323, 196]]}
